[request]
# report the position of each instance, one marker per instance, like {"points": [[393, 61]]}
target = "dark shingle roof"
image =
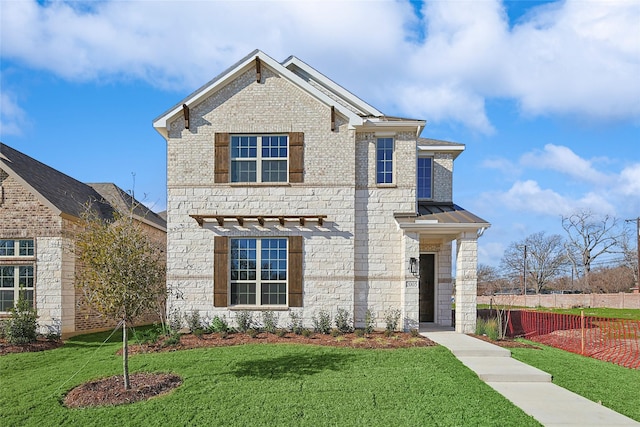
{"points": [[67, 194], [448, 213]]}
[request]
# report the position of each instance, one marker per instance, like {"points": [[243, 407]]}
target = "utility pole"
{"points": [[524, 272]]}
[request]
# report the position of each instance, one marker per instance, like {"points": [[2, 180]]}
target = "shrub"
{"points": [[295, 323], [174, 322], [391, 318], [252, 332], [270, 321], [172, 339], [218, 324], [280, 332], [306, 333], [359, 333], [335, 333], [244, 320], [322, 323], [488, 327], [147, 336], [194, 322], [415, 333], [343, 321], [368, 321], [21, 327]]}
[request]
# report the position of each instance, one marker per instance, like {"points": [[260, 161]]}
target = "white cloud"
{"points": [[629, 181], [562, 159], [575, 58], [12, 117]]}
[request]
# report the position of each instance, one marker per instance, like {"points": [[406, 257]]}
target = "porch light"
{"points": [[413, 265]]}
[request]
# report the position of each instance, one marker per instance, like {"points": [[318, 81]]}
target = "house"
{"points": [[287, 192], [40, 208]]}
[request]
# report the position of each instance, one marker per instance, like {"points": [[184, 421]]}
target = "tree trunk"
{"points": [[125, 355]]}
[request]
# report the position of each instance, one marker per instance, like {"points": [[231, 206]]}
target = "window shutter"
{"points": [[295, 271], [221, 154], [220, 271], [296, 157]]}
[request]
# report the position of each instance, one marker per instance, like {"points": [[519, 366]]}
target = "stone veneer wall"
{"points": [[272, 106], [466, 283]]}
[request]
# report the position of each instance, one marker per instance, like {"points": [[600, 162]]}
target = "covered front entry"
{"points": [[427, 297]]}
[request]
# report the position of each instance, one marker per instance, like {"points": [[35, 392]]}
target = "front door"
{"points": [[427, 287]]}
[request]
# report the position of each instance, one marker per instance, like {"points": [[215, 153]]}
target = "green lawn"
{"points": [[258, 385], [616, 387]]}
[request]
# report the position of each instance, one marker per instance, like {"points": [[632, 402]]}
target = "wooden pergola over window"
{"points": [[261, 219]]}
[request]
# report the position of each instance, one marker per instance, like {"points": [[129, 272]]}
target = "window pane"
{"points": [[274, 256], [243, 259], [26, 247], [6, 248], [274, 146], [243, 293], [424, 177], [244, 147], [274, 171], [274, 293], [6, 277], [243, 171], [25, 277], [6, 300], [384, 161]]}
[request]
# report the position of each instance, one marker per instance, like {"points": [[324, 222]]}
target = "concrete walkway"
{"points": [[527, 387]]}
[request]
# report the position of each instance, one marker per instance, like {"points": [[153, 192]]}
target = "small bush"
{"points": [[322, 323], [252, 332], [335, 333], [174, 322], [295, 323], [368, 321], [359, 333], [173, 339], [391, 318], [306, 333], [487, 327], [414, 333], [244, 320], [147, 336], [343, 321], [218, 325], [281, 332], [270, 321], [21, 327], [194, 322]]}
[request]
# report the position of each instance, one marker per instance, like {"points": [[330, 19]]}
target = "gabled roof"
{"points": [[303, 76], [67, 196]]}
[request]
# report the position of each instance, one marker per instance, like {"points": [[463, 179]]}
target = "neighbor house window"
{"points": [[15, 281], [384, 161], [425, 174], [258, 270], [259, 158]]}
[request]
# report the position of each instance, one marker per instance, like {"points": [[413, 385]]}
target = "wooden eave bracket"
{"points": [[333, 118], [261, 219], [258, 70], [185, 112]]}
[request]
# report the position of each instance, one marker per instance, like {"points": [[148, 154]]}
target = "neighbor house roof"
{"points": [[67, 196], [326, 91]]}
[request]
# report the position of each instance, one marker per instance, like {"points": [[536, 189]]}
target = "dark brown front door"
{"points": [[427, 287]]}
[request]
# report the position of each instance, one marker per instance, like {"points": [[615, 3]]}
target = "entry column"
{"points": [[466, 282]]}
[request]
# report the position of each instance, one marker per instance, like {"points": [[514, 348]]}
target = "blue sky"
{"points": [[545, 95]]}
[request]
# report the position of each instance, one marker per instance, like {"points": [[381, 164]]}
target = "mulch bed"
{"points": [[40, 345]]}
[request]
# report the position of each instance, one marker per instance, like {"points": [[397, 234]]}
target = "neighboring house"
{"points": [[40, 208], [287, 192]]}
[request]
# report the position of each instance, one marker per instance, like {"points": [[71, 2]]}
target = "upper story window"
{"points": [[258, 271], [384, 161], [425, 178], [259, 158], [12, 248]]}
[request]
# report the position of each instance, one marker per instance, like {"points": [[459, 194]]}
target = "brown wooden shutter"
{"points": [[221, 154], [220, 271], [296, 157], [295, 271]]}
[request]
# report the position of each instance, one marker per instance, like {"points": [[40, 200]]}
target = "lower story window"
{"points": [[258, 271], [15, 281]]}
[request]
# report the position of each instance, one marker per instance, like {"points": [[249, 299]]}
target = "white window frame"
{"points": [[418, 178], [258, 270], [17, 248], [17, 287], [391, 161], [258, 159]]}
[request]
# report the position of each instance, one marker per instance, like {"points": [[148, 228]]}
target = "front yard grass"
{"points": [[258, 384], [614, 386]]}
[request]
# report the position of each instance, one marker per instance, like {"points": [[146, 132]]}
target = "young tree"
{"points": [[538, 257], [122, 273], [590, 236]]}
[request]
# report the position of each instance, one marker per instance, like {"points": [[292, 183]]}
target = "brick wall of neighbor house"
{"points": [[272, 106]]}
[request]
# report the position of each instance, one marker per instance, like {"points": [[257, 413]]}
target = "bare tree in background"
{"points": [[629, 254], [589, 237], [538, 257]]}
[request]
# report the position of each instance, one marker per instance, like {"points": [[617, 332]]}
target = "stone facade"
{"points": [[358, 258]]}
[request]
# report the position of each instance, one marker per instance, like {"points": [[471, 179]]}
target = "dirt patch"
{"points": [[41, 344], [376, 340], [110, 391], [506, 343]]}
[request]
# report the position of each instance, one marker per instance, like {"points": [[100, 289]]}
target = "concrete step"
{"points": [[503, 369]]}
